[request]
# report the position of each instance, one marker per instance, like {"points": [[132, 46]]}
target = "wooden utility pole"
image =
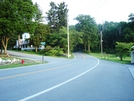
{"points": [[68, 35], [101, 42]]}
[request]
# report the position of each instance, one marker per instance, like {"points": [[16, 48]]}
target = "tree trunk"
{"points": [[1, 48], [36, 49], [88, 46], [19, 41], [85, 46], [121, 57], [5, 43]]}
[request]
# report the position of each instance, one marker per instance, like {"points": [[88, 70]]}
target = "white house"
{"points": [[24, 44]]}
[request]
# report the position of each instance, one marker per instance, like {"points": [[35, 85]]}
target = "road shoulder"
{"points": [[131, 69]]}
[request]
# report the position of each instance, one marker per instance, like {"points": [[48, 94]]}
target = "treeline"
{"points": [[19, 16], [117, 32]]}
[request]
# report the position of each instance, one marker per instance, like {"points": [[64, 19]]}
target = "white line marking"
{"points": [[58, 85]]}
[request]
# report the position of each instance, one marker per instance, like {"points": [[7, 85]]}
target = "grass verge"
{"points": [[112, 57], [27, 62]]}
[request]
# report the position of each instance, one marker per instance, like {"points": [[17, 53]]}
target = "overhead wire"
{"points": [[95, 5], [101, 5]]}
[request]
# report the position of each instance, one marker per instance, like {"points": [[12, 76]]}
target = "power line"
{"points": [[101, 5], [95, 5]]}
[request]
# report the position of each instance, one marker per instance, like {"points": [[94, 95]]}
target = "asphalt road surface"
{"points": [[83, 78]]}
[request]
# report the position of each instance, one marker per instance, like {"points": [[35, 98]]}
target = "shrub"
{"points": [[88, 52], [49, 51]]}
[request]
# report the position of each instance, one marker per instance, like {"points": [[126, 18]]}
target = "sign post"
{"points": [[42, 43]]}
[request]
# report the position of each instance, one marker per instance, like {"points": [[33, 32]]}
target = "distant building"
{"points": [[24, 44]]}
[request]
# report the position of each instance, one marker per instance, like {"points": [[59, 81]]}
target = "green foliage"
{"points": [[86, 51], [109, 35], [52, 53], [75, 39], [39, 35], [58, 39], [56, 16], [123, 49], [128, 32], [38, 14], [15, 18], [111, 57], [87, 25], [116, 32], [131, 17], [49, 51]]}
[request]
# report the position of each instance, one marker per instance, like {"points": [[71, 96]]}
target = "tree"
{"points": [[38, 17], [123, 49], [111, 32], [39, 35], [7, 23], [87, 25], [131, 17], [128, 34], [15, 18], [58, 39], [56, 16], [75, 39]]}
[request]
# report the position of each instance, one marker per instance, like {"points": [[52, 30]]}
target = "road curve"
{"points": [[83, 78]]}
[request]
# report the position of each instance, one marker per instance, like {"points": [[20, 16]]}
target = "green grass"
{"points": [[112, 57], [14, 65], [27, 62], [32, 52], [28, 52]]}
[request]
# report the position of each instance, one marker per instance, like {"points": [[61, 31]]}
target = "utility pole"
{"points": [[101, 42], [67, 36]]}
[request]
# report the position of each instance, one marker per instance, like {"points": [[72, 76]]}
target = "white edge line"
{"points": [[58, 85], [74, 56]]}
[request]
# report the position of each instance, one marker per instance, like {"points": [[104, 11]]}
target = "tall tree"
{"points": [[58, 39], [87, 25], [38, 17], [39, 35], [110, 35], [41, 29], [15, 18], [75, 39], [131, 17], [56, 16]]}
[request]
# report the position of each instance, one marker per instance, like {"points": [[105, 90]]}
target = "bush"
{"points": [[49, 51], [19, 49], [88, 52], [48, 48]]}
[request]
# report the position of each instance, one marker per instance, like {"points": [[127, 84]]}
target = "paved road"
{"points": [[83, 78]]}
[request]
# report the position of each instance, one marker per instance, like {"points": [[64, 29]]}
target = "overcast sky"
{"points": [[101, 10]]}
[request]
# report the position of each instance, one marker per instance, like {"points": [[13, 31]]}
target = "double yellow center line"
{"points": [[30, 73]]}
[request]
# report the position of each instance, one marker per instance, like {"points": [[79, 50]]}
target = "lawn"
{"points": [[27, 62], [112, 57]]}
